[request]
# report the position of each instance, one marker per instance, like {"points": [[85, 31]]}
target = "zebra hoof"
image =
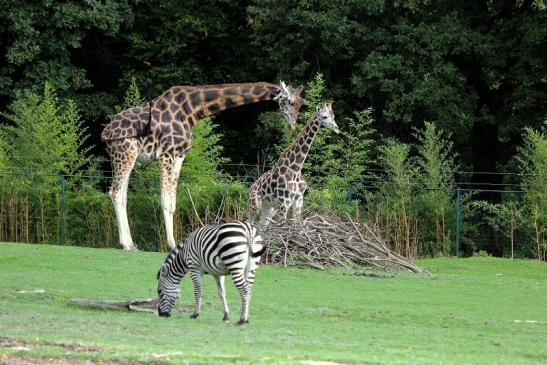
{"points": [[194, 316], [243, 322], [226, 318]]}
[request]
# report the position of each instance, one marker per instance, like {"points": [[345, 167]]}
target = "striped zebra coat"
{"points": [[231, 248]]}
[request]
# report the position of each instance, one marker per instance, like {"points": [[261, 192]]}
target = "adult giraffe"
{"points": [[162, 130]]}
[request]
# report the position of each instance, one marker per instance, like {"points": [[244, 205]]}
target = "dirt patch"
{"points": [[7, 342], [313, 362], [63, 361], [22, 345]]}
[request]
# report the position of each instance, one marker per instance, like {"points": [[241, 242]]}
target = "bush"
{"points": [[44, 139], [533, 163], [436, 186], [414, 201]]}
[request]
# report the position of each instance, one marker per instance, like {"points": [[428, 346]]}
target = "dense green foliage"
{"points": [[453, 317], [474, 68]]}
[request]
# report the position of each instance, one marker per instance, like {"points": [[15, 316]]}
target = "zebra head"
{"points": [[168, 292]]}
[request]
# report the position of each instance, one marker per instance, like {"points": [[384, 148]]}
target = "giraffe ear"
{"points": [[285, 88], [318, 108]]}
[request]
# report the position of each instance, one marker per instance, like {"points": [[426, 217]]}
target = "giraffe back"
{"points": [[132, 122]]}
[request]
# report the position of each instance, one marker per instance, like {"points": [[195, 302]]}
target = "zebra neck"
{"points": [[177, 263]]}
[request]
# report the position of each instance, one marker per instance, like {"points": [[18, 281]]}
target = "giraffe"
{"points": [[162, 130], [282, 187]]}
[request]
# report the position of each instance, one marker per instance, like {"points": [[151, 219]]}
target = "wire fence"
{"points": [[75, 209]]}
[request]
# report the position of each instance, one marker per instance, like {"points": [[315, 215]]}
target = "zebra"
{"points": [[218, 249]]}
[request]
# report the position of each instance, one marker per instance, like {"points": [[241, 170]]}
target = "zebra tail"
{"points": [[250, 259]]}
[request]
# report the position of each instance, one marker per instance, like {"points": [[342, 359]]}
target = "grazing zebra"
{"points": [[231, 248]]}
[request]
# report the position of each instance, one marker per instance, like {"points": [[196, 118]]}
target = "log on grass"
{"points": [[142, 305]]}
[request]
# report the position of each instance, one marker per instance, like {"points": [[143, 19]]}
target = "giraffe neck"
{"points": [[210, 99], [296, 153]]}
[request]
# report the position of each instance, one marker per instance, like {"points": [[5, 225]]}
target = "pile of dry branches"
{"points": [[321, 240]]}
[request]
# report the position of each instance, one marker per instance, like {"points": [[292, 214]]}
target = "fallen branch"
{"points": [[322, 240]]}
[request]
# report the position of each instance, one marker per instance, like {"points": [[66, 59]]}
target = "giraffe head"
{"points": [[325, 115], [290, 101]]}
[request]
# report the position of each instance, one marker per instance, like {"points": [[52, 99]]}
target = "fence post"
{"points": [[458, 220], [62, 235], [350, 193]]}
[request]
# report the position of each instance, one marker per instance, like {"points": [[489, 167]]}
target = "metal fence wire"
{"points": [[75, 210]]}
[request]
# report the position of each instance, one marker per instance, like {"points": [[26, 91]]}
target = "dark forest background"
{"points": [[476, 68]]}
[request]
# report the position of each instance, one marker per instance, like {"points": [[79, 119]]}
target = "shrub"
{"points": [[532, 158], [435, 188]]}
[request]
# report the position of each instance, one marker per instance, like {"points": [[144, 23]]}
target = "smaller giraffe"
{"points": [[282, 187]]}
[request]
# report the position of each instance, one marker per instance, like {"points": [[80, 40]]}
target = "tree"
{"points": [[533, 163], [506, 217], [435, 188], [44, 41], [45, 136]]}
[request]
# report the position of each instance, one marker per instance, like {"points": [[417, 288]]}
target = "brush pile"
{"points": [[322, 240]]}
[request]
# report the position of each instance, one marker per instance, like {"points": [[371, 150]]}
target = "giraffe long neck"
{"points": [[210, 99], [297, 152]]}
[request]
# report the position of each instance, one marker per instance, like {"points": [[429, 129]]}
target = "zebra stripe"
{"points": [[231, 248]]}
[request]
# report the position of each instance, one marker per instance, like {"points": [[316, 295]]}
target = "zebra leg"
{"points": [[222, 295], [241, 284], [196, 279]]}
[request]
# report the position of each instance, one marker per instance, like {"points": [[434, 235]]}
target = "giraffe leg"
{"points": [[267, 213], [297, 206], [170, 170], [284, 206], [123, 159], [222, 296], [299, 199]]}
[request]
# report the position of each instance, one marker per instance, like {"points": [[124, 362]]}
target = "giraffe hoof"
{"points": [[243, 322], [194, 316]]}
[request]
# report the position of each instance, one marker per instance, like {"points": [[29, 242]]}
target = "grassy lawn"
{"points": [[471, 311]]}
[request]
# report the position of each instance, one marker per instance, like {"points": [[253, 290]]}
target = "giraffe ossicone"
{"points": [[282, 187], [162, 130]]}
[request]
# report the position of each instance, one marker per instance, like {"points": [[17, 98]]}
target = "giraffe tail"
{"points": [[254, 200]]}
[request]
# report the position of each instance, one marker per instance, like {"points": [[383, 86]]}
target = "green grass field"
{"points": [[471, 311]]}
